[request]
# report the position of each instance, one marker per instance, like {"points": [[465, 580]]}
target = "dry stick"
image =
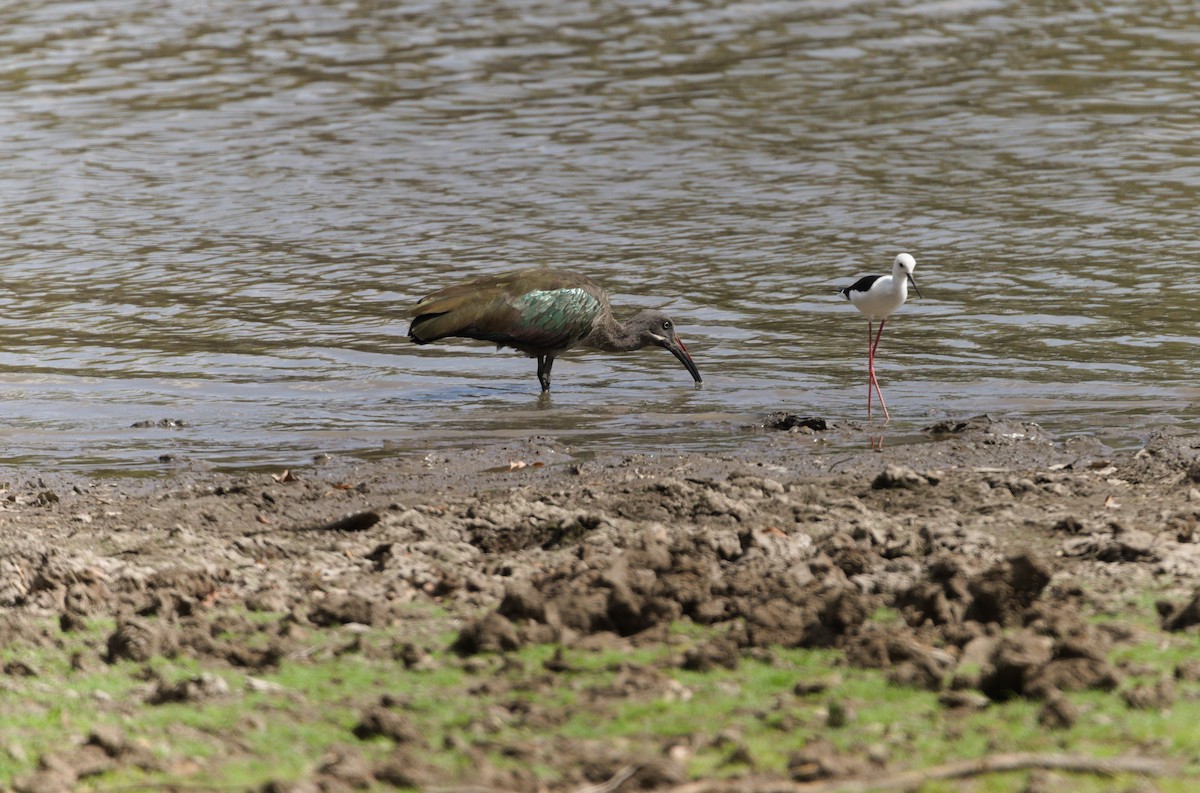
{"points": [[1019, 761], [612, 784]]}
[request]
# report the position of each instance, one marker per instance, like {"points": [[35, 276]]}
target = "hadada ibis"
{"points": [[543, 313]]}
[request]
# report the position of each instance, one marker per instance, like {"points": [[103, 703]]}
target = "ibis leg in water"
{"points": [[878, 297], [543, 313]]}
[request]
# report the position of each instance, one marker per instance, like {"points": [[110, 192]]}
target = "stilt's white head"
{"points": [[903, 268]]}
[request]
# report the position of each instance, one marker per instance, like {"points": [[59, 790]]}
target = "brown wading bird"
{"points": [[542, 313]]}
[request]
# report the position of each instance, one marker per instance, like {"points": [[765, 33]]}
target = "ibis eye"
{"points": [[666, 324]]}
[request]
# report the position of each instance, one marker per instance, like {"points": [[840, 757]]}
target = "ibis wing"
{"points": [[536, 311]]}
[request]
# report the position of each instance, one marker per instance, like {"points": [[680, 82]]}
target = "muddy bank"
{"points": [[973, 566]]}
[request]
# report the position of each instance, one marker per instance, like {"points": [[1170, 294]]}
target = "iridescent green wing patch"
{"points": [[554, 317]]}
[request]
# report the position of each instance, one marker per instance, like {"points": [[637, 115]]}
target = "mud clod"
{"points": [[1180, 618], [818, 760], [1057, 713], [795, 423], [1159, 695], [344, 610], [380, 720], [134, 640], [719, 652], [898, 477], [491, 633], [973, 567], [1004, 591], [203, 687]]}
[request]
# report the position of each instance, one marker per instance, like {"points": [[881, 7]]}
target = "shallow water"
{"points": [[219, 212]]}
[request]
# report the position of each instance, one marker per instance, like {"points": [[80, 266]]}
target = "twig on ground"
{"points": [[1019, 761], [612, 784]]}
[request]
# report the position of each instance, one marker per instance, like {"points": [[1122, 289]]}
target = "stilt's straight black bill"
{"points": [[914, 283]]}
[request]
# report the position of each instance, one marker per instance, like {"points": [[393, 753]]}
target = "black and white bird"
{"points": [[878, 297]]}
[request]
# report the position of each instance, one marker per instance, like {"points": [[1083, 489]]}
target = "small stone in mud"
{"points": [[966, 700], [1179, 618], [654, 773], [838, 714], [346, 765], [1057, 713], [1013, 662], [17, 668], [1188, 671], [819, 759], [359, 521], [740, 755], [378, 720], [557, 663], [412, 656], [1069, 525], [522, 601], [806, 688], [491, 633], [133, 640], [1002, 592], [719, 652], [343, 610], [109, 738], [46, 781], [164, 423], [194, 689], [266, 601], [408, 767], [1159, 696], [792, 422], [898, 477]]}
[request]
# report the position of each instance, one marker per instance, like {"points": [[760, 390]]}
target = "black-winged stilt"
{"points": [[877, 297]]}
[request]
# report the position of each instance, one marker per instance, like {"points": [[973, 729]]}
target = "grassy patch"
{"points": [[636, 700]]}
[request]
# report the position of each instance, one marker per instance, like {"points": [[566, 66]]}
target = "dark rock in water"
{"points": [[791, 421], [987, 429], [164, 423]]}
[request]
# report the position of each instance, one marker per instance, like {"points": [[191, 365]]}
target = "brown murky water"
{"points": [[219, 212]]}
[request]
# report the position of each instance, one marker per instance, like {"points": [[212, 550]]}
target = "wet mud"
{"points": [[972, 565]]}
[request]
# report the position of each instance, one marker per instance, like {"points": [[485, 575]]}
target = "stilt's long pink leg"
{"points": [[874, 380], [870, 366]]}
